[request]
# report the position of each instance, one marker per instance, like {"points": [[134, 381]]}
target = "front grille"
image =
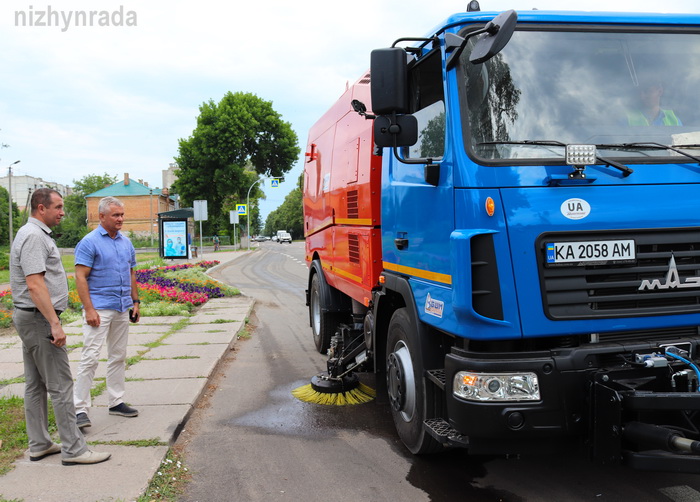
{"points": [[667, 268]]}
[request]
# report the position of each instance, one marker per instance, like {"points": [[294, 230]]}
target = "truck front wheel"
{"points": [[323, 324], [408, 396]]}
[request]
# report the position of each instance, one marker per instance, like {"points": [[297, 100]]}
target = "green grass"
{"points": [[169, 481], [98, 389], [13, 431], [141, 443], [68, 261], [9, 381], [244, 334]]}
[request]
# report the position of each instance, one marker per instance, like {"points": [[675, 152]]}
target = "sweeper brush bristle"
{"points": [[358, 395]]}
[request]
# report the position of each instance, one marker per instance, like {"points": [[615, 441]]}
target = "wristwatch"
{"points": [[136, 301]]}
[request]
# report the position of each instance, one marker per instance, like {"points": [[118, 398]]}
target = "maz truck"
{"points": [[502, 220]]}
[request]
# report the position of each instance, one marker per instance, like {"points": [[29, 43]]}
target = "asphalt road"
{"points": [[252, 441]]}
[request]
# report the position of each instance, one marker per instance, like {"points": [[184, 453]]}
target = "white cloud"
{"points": [[95, 99]]}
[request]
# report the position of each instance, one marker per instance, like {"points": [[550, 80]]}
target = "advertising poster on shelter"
{"points": [[175, 239]]}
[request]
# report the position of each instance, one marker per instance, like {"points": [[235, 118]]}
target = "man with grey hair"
{"points": [[106, 282], [40, 293]]}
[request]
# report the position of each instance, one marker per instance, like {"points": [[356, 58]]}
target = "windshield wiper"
{"points": [[654, 146], [626, 171]]}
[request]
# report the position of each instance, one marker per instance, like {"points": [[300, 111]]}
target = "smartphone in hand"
{"points": [[133, 317]]}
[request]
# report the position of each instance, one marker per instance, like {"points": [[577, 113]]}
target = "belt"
{"points": [[34, 309]]}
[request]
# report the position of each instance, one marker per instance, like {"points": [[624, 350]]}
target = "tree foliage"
{"points": [[73, 227], [5, 217], [234, 142], [290, 215]]}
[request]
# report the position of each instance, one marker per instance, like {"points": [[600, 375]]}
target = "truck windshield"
{"points": [[585, 87]]}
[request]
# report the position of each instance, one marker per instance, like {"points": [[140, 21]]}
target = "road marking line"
{"points": [[682, 493]]}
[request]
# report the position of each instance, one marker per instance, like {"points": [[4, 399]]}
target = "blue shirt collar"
{"points": [[103, 231]]}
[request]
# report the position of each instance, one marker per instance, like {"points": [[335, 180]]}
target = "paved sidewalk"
{"points": [[164, 385]]}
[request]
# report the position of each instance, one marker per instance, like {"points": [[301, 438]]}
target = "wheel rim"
{"points": [[316, 312], [400, 382]]}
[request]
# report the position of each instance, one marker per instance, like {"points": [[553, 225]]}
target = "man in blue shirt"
{"points": [[106, 282]]}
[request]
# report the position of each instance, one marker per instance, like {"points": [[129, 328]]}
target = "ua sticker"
{"points": [[575, 209], [434, 307]]}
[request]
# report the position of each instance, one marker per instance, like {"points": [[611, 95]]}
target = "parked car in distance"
{"points": [[285, 237]]}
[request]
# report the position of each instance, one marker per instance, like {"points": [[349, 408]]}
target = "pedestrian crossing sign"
{"points": [[274, 182], [242, 209]]}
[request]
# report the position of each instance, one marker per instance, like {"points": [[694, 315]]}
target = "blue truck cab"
{"points": [[540, 235]]}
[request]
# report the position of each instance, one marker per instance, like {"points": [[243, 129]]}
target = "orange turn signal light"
{"points": [[469, 380], [490, 206]]}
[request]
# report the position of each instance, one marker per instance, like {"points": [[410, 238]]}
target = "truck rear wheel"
{"points": [[408, 396], [323, 324]]}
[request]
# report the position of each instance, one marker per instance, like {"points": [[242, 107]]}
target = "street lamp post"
{"points": [[150, 216], [9, 192], [248, 207]]}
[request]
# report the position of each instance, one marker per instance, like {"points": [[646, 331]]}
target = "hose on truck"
{"points": [[659, 437], [671, 351]]}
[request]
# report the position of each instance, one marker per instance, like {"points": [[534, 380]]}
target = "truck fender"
{"points": [[397, 293], [332, 300]]}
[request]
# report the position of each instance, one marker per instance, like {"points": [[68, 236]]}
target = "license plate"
{"points": [[590, 251]]}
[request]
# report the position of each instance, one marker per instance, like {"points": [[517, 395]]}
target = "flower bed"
{"points": [[184, 284]]}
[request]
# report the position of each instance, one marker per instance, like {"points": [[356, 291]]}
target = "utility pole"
{"points": [[9, 192]]}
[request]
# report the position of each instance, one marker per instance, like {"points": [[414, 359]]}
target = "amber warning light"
{"points": [[490, 206]]}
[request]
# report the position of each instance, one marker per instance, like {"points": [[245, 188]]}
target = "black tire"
{"points": [[323, 324], [406, 387]]}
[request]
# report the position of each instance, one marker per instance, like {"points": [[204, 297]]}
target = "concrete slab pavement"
{"points": [[164, 384]]}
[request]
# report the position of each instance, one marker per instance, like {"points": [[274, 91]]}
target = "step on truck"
{"points": [[502, 220]]}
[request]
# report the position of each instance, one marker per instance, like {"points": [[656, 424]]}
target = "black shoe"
{"points": [[123, 410], [83, 420]]}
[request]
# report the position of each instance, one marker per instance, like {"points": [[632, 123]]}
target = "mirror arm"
{"points": [[452, 59]]}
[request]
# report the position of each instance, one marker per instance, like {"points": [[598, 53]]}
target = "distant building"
{"points": [[169, 175], [141, 205], [23, 186]]}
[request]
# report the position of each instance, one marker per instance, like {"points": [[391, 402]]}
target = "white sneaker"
{"points": [[89, 457]]}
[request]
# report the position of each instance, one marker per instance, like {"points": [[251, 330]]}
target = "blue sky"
{"points": [[80, 100]]}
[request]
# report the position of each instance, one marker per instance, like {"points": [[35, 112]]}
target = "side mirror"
{"points": [[401, 130], [492, 39], [388, 74], [498, 33]]}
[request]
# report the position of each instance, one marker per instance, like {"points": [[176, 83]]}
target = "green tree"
{"points": [[290, 215], [92, 183], [5, 217], [73, 227], [234, 142]]}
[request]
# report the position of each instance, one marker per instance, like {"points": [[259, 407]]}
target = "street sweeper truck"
{"points": [[502, 221]]}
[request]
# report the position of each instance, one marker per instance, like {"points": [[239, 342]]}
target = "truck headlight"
{"points": [[496, 387]]}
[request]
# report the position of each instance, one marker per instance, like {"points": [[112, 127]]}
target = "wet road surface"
{"points": [[251, 440]]}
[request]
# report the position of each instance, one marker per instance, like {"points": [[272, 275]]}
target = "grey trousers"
{"points": [[46, 369]]}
